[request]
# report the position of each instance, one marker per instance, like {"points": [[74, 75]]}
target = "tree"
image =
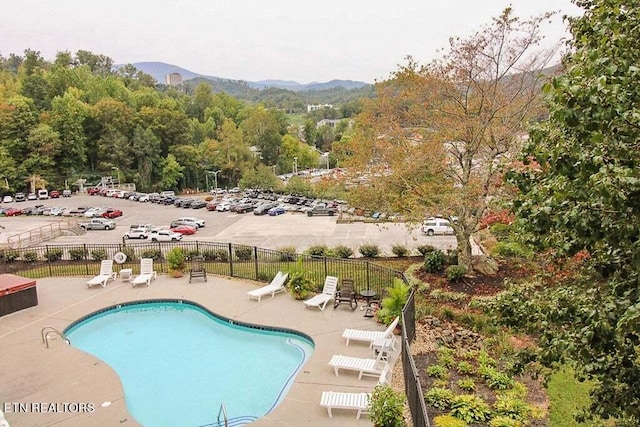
{"points": [[171, 173], [435, 140], [580, 197], [261, 177], [264, 129]]}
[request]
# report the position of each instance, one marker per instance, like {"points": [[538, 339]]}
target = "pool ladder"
{"points": [[51, 330], [222, 411]]}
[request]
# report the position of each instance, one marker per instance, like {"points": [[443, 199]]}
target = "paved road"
{"points": [[290, 229]]}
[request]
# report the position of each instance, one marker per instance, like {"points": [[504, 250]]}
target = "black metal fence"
{"points": [[233, 260], [412, 385]]}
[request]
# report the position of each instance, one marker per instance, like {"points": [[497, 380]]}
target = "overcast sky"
{"points": [[260, 39]]}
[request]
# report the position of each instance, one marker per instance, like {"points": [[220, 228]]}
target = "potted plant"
{"points": [[394, 301], [176, 260], [299, 285], [386, 407]]}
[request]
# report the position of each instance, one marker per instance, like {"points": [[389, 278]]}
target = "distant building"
{"points": [[174, 79], [318, 107], [332, 123]]}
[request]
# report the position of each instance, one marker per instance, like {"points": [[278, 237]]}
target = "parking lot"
{"points": [[272, 232]]}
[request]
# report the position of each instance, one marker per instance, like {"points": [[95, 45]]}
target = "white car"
{"points": [[7, 199], [223, 206], [433, 226], [164, 236], [91, 212], [143, 198], [193, 221], [137, 233]]}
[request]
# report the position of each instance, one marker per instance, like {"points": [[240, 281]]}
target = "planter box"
{"points": [[16, 293]]}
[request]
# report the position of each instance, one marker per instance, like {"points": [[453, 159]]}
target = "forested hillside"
{"points": [[77, 118]]}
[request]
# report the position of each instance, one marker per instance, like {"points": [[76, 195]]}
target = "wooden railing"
{"points": [[44, 233]]}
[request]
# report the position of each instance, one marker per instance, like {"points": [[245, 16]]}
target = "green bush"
{"points": [[437, 371], [500, 231], [439, 397], [78, 253], [53, 254], [470, 408], [299, 285], [446, 356], [465, 368], [192, 253], [369, 250], [455, 273], [342, 251], [425, 249], [393, 303], [176, 259], [129, 252], [495, 379], [448, 296], [244, 253], [9, 255], [155, 254], [287, 253], [513, 408], [451, 258], [98, 254], [448, 421], [386, 408], [434, 261], [467, 384], [502, 421], [509, 249], [30, 256], [399, 250], [317, 250]]}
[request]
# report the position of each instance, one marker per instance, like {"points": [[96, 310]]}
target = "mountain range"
{"points": [[159, 70]]}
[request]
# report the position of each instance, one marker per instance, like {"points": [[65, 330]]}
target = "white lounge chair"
{"points": [[356, 401], [328, 294], [106, 273], [276, 285], [147, 273], [369, 367], [372, 336]]}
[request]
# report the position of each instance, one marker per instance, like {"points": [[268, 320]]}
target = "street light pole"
{"points": [[215, 176], [117, 169], [295, 165]]}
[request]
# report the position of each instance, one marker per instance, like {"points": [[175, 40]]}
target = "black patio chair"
{"points": [[346, 295], [197, 268]]}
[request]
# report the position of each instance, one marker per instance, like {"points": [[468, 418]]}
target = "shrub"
{"points": [[176, 259], [434, 261], [455, 273], [53, 254], [451, 258], [437, 371], [439, 397], [155, 254], [440, 295], [465, 368], [78, 253], [386, 408], [399, 250], [287, 253], [448, 421], [342, 251], [208, 198], [221, 255], [509, 249], [369, 250], [98, 254], [317, 250], [9, 255], [500, 231], [425, 249], [244, 253], [466, 384], [446, 356], [30, 256], [495, 379], [392, 304], [129, 252], [191, 253], [470, 408], [502, 421], [512, 407]]}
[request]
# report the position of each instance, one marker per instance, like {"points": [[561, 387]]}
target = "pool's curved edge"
{"points": [[195, 304]]}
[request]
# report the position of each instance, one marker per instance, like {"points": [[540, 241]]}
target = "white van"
{"points": [[43, 194], [433, 226]]}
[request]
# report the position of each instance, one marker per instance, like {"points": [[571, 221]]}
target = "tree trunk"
{"points": [[463, 239]]}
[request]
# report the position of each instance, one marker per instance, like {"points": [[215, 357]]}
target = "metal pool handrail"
{"points": [[223, 411]]}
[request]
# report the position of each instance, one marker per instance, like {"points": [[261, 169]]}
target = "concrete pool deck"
{"points": [[53, 384]]}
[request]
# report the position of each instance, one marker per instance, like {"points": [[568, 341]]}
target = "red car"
{"points": [[93, 191], [12, 212], [183, 229], [54, 194], [111, 213]]}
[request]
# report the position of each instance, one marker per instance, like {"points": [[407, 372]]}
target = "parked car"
{"points": [[20, 197], [433, 226], [193, 221], [32, 196], [211, 206], [43, 194], [7, 199], [12, 212], [264, 208], [223, 206], [111, 213], [278, 210], [98, 224], [93, 191], [164, 236], [66, 193], [57, 211], [198, 204], [183, 229], [54, 194], [136, 233]]}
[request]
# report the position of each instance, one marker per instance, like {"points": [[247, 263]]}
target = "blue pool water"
{"points": [[178, 362]]}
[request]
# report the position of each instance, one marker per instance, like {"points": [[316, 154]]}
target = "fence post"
{"points": [[86, 258], [230, 260], [368, 284], [326, 272], [255, 257], [46, 252]]}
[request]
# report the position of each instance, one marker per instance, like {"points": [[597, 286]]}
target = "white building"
{"points": [[318, 107], [173, 79]]}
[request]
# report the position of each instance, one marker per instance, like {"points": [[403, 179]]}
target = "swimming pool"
{"points": [[178, 362]]}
